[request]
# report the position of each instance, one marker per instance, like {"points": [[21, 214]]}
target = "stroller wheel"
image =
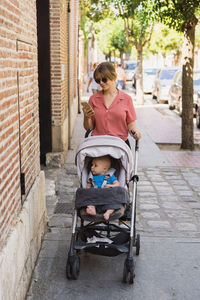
{"points": [[73, 267], [128, 273], [68, 270], [137, 244]]}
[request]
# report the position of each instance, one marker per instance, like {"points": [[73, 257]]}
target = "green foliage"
{"points": [[104, 31], [111, 36], [165, 40], [119, 42], [138, 19], [137, 16], [118, 39], [96, 10], [126, 8], [176, 13]]}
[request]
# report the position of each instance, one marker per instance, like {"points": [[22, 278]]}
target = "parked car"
{"points": [[197, 109], [148, 79], [129, 68], [162, 83], [175, 92]]}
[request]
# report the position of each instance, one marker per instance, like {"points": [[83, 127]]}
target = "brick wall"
{"points": [[19, 124], [74, 47], [59, 38]]}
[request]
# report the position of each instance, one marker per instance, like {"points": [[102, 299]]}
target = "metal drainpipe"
{"points": [[69, 104]]}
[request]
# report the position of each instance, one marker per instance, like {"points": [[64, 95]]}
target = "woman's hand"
{"points": [[87, 113], [133, 130], [135, 134], [87, 122]]}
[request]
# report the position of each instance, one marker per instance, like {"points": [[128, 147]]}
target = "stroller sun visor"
{"points": [[96, 146]]}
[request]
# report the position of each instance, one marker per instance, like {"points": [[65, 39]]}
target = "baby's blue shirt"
{"points": [[99, 179]]}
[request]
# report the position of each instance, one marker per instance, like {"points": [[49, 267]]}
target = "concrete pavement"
{"points": [[168, 220], [164, 128]]}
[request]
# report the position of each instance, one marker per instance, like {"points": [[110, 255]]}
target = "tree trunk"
{"points": [[187, 86], [139, 76]]}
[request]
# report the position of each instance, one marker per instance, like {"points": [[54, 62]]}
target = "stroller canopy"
{"points": [[95, 146]]}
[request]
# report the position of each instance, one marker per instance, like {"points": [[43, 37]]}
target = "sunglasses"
{"points": [[104, 80]]}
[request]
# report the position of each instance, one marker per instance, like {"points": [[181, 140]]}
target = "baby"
{"points": [[100, 178]]}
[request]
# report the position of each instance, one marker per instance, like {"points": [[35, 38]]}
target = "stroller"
{"points": [[94, 234]]}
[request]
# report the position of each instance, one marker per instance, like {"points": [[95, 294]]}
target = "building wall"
{"points": [[19, 123], [63, 71]]}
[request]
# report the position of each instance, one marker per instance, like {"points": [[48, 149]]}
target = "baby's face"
{"points": [[98, 167]]}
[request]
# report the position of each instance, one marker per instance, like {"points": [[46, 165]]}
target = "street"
{"points": [[168, 220]]}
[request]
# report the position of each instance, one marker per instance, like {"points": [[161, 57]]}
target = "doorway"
{"points": [[44, 78]]}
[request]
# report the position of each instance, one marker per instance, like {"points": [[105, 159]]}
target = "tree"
{"points": [[138, 22], [165, 40], [113, 39], [180, 15], [119, 42], [104, 36], [92, 11]]}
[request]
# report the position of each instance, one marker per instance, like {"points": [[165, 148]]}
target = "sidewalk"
{"points": [[168, 220], [165, 130]]}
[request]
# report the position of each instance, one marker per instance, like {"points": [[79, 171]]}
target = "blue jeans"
{"points": [[120, 84]]}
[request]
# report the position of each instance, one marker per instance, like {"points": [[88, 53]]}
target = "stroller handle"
{"points": [[88, 132], [136, 141], [132, 131]]}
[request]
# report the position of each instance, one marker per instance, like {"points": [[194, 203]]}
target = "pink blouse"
{"points": [[115, 119]]}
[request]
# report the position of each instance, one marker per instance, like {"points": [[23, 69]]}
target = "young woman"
{"points": [[112, 110]]}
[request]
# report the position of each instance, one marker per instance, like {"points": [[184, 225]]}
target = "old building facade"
{"points": [[38, 108], [58, 67]]}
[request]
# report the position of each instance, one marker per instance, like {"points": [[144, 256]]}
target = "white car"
{"points": [[162, 83], [129, 68], [149, 75]]}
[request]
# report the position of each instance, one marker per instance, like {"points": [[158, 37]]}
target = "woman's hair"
{"points": [[105, 70]]}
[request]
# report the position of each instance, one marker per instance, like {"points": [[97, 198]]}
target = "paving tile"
{"points": [[159, 224], [172, 205], [186, 227]]}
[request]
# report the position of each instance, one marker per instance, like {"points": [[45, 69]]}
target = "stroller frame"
{"points": [[77, 246]]}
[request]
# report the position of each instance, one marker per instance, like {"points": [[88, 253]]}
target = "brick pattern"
{"points": [[59, 57], [74, 46], [19, 123], [187, 159]]}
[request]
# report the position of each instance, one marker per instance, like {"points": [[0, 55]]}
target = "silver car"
{"points": [[197, 109], [129, 68], [175, 92], [162, 83]]}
